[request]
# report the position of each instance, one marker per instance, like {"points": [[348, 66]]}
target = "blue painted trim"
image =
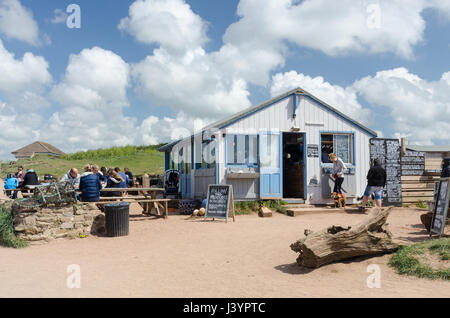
{"points": [[327, 165], [295, 103], [166, 161]]}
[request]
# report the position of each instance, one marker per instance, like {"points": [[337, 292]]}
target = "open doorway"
{"points": [[293, 165]]}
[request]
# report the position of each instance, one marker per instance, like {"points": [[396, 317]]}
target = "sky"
{"points": [[92, 74]]}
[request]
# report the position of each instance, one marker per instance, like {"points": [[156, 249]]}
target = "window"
{"points": [[242, 150], [181, 161], [340, 144], [208, 154], [271, 151]]}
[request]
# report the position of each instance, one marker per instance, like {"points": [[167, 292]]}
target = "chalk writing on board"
{"points": [[312, 151], [441, 207], [388, 151], [219, 201]]}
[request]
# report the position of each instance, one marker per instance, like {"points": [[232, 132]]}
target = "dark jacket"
{"points": [[446, 168], [124, 183], [30, 178], [130, 178], [90, 187], [113, 183], [376, 176]]}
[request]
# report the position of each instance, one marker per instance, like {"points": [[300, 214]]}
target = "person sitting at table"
{"points": [[96, 171], [10, 184], [89, 185], [130, 177], [19, 175], [29, 180], [114, 181], [124, 177], [73, 177]]}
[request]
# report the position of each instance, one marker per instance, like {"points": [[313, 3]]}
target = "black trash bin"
{"points": [[117, 219]]}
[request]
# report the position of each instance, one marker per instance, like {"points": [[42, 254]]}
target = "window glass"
{"points": [[340, 144], [270, 150], [253, 150], [240, 150]]}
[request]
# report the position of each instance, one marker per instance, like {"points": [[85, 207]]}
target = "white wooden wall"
{"points": [[311, 118]]}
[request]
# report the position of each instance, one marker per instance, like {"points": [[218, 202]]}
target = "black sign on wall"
{"points": [[388, 151], [312, 151], [219, 202]]}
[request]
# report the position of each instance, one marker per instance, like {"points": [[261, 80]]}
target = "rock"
{"points": [[195, 213], [67, 225], [265, 212]]}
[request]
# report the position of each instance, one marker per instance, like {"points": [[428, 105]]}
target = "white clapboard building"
{"points": [[275, 150]]}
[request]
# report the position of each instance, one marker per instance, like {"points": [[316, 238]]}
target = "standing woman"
{"points": [[338, 172]]}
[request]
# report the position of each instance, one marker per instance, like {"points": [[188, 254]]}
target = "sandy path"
{"points": [[194, 258]]}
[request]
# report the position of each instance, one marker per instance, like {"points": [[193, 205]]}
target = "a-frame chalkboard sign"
{"points": [[441, 207], [219, 202]]}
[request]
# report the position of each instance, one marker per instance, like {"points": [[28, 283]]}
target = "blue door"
{"points": [[271, 170]]}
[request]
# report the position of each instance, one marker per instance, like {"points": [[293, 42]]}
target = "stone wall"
{"points": [[52, 222]]}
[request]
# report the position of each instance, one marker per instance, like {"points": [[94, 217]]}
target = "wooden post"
{"points": [[403, 142]]}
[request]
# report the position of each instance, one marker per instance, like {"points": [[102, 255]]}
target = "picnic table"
{"points": [[147, 198]]}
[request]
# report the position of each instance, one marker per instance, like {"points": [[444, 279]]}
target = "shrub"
{"points": [[7, 235]]}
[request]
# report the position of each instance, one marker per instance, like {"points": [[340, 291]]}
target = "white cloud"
{"points": [[170, 23], [334, 27], [420, 109], [59, 16], [342, 98], [17, 22], [94, 79]]}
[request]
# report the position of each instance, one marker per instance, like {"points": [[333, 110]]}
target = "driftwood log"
{"points": [[336, 243]]}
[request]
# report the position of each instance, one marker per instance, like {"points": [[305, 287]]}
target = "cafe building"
{"points": [[275, 150]]}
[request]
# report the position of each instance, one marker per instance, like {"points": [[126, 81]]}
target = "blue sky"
{"points": [[147, 71]]}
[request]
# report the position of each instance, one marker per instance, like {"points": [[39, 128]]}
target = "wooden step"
{"points": [[306, 211]]}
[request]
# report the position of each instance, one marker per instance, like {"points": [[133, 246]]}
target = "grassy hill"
{"points": [[140, 160]]}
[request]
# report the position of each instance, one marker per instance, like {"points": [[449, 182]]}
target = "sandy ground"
{"points": [[180, 257]]}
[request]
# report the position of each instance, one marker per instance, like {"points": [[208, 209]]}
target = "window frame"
{"points": [[247, 164], [352, 144]]}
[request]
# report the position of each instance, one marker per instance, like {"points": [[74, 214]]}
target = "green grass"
{"points": [[246, 207], [422, 205], [407, 259], [275, 205], [7, 235], [140, 160]]}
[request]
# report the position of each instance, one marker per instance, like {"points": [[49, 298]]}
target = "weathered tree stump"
{"points": [[336, 243]]}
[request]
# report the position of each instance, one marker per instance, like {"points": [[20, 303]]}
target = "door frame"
{"points": [[280, 168]]}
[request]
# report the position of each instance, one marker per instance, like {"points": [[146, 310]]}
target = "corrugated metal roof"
{"points": [[430, 148]]}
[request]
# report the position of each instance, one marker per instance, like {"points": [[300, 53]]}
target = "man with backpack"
{"points": [[376, 181]]}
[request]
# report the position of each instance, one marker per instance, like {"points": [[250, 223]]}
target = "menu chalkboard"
{"points": [[219, 202], [388, 151], [413, 163], [441, 207]]}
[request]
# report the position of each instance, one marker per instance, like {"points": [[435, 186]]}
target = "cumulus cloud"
{"points": [[334, 27], [344, 99], [17, 22], [420, 109], [59, 16], [170, 23]]}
